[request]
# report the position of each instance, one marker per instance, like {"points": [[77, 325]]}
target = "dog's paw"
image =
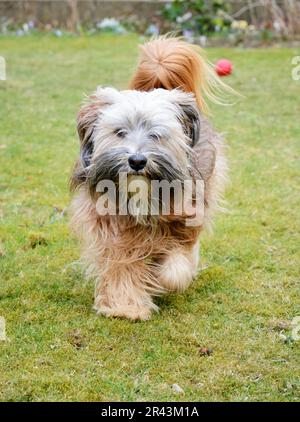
{"points": [[176, 272], [133, 312]]}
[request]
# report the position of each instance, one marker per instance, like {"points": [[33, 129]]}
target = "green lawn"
{"points": [[241, 304]]}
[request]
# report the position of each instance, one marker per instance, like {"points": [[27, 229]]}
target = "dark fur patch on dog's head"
{"points": [[191, 122]]}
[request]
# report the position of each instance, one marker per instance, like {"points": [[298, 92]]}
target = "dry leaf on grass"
{"points": [[177, 389]]}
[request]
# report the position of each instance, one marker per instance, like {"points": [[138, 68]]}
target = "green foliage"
{"points": [[240, 306], [198, 16]]}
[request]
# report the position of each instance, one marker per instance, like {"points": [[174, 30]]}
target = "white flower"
{"points": [[58, 32], [108, 23], [184, 18], [277, 26], [243, 24], [152, 30], [203, 40], [240, 25], [111, 24]]}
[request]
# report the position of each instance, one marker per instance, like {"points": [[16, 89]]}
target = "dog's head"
{"points": [[139, 133]]}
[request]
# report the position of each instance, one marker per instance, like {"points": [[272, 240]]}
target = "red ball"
{"points": [[224, 67]]}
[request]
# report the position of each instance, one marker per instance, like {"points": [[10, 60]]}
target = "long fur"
{"points": [[169, 62], [131, 260]]}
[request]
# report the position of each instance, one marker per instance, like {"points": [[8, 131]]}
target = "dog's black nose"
{"points": [[137, 161]]}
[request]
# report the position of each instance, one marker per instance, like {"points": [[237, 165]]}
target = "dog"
{"points": [[157, 129]]}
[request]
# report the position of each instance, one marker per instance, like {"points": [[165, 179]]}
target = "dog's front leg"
{"points": [[122, 292], [178, 268]]}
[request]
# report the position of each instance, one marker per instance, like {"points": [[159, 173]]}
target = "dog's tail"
{"points": [[169, 63]]}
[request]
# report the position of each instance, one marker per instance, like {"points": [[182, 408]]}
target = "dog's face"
{"points": [[139, 133]]}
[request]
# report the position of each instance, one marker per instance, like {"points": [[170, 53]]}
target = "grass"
{"points": [[57, 348]]}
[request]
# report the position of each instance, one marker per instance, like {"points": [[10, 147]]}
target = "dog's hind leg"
{"points": [[178, 268]]}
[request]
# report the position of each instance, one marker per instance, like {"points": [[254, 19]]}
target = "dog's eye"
{"points": [[121, 133], [155, 137]]}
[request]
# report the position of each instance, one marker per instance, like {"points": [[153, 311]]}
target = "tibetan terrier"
{"points": [[154, 132]]}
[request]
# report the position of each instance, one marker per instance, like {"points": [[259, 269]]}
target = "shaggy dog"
{"points": [[156, 130]]}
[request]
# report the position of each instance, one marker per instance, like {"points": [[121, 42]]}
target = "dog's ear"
{"points": [[203, 154], [188, 114], [88, 117], [190, 119], [86, 121]]}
